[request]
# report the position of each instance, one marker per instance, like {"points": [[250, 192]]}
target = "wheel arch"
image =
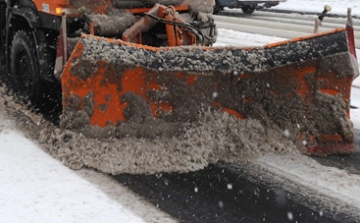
{"points": [[28, 21]]}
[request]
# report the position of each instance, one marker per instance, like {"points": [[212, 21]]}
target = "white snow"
{"points": [[338, 7], [305, 171], [36, 188]]}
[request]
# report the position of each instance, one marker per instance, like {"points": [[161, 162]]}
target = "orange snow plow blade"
{"points": [[302, 86]]}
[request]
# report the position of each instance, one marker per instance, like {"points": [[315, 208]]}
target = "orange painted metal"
{"points": [[140, 81], [304, 38], [62, 2], [176, 36], [134, 80], [183, 7], [336, 148], [56, 7], [108, 88], [229, 110], [50, 6]]}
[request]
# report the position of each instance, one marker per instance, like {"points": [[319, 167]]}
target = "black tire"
{"points": [[249, 9], [217, 9], [24, 67], [32, 77]]}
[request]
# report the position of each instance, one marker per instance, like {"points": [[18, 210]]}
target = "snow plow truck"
{"points": [[121, 64]]}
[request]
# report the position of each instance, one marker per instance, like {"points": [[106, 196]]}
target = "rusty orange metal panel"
{"points": [[307, 92]]}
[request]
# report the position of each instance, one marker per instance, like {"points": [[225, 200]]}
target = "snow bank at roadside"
{"points": [[37, 188], [315, 6]]}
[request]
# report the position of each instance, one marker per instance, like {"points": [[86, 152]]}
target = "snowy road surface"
{"points": [[282, 24], [36, 188]]}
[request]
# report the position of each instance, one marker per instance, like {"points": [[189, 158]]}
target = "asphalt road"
{"points": [[220, 194], [217, 194]]}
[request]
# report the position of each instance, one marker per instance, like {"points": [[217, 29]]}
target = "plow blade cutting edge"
{"points": [[302, 86]]}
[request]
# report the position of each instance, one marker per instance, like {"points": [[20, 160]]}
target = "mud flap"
{"points": [[301, 86]]}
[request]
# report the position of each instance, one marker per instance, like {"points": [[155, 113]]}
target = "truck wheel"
{"points": [[249, 9], [24, 67], [217, 8]]}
